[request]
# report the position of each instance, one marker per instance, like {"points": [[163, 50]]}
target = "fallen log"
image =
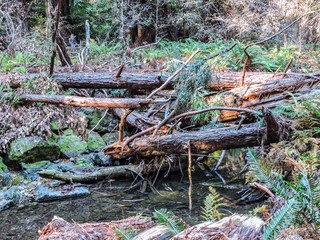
{"points": [[230, 80], [59, 229], [268, 94], [109, 172], [204, 140], [132, 81], [86, 101]]}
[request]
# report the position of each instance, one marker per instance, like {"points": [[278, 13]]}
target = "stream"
{"points": [[109, 201]]}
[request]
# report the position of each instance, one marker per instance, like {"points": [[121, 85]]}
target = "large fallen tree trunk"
{"points": [[205, 140], [268, 94], [132, 81], [86, 101], [230, 80]]}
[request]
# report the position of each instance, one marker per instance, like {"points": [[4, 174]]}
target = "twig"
{"points": [[120, 71], [188, 114], [122, 122], [220, 160], [164, 121], [146, 46], [190, 177], [244, 69], [263, 188], [174, 74], [103, 116], [288, 66]]}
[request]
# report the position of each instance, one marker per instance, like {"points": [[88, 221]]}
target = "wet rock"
{"points": [[44, 194], [32, 149], [71, 145], [69, 167], [110, 138], [31, 170], [9, 198], [85, 160], [101, 159], [5, 177], [95, 142]]}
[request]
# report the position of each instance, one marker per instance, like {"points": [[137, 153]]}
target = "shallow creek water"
{"points": [[108, 202]]}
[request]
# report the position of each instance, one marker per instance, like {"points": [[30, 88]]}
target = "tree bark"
{"points": [[134, 119], [230, 80], [268, 94], [99, 80], [86, 101], [205, 140], [108, 172]]}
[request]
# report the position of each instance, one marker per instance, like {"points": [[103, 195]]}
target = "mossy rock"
{"points": [[5, 177], [110, 138], [95, 141], [30, 170], [97, 121], [32, 149], [3, 167], [70, 144]]}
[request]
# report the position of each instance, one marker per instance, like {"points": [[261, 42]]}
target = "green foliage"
{"points": [[100, 15], [126, 234], [282, 219], [169, 220], [211, 204], [302, 195]]}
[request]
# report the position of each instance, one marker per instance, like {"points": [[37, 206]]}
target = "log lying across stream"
{"points": [[205, 140]]}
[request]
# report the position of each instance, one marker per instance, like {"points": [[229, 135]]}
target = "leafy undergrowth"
{"points": [[165, 55], [291, 170]]}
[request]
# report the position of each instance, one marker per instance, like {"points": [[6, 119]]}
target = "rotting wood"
{"points": [[58, 228], [87, 101], [232, 227], [230, 80], [268, 94]]}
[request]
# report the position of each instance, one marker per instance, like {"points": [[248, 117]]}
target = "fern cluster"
{"points": [[169, 220], [302, 198], [211, 204]]}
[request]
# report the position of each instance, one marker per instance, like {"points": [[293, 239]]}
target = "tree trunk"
{"points": [[86, 101], [204, 140], [268, 94], [230, 80], [99, 80]]}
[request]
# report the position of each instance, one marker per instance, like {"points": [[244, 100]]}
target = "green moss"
{"points": [[3, 167], [71, 145], [95, 141], [32, 149]]}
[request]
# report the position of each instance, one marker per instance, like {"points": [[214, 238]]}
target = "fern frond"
{"points": [[211, 204], [256, 168], [166, 218], [282, 218]]}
